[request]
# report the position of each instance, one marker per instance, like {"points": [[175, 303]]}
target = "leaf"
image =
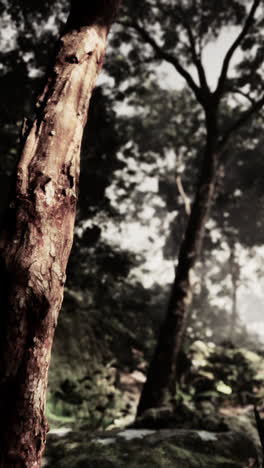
{"points": [[223, 388]]}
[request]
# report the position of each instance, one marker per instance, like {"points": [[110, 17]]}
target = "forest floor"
{"points": [[145, 448], [213, 426]]}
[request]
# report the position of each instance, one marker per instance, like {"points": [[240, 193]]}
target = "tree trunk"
{"points": [[234, 270], [36, 240], [161, 379]]}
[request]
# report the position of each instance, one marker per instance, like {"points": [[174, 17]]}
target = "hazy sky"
{"points": [[212, 59], [136, 236]]}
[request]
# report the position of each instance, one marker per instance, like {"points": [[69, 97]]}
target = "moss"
{"points": [[159, 450], [193, 459]]}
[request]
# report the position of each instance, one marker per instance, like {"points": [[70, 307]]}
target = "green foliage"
{"points": [[93, 397], [102, 333], [222, 376]]}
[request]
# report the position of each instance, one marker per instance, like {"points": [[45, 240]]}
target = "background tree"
{"points": [[178, 34]]}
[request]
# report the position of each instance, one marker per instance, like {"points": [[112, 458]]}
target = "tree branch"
{"points": [[195, 57], [180, 14], [245, 116], [185, 198], [241, 93], [102, 12], [160, 53], [233, 48]]}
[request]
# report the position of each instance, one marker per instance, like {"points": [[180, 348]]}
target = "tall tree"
{"points": [[177, 33], [37, 235]]}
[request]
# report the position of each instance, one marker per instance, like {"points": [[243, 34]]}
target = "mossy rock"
{"points": [[151, 449]]}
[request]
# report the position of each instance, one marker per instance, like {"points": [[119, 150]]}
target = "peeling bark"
{"points": [[36, 241]]}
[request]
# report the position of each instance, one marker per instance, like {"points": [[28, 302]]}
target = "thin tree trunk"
{"points": [[160, 385], [36, 242], [234, 269]]}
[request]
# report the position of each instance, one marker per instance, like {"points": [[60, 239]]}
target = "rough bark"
{"points": [[161, 379], [36, 240]]}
